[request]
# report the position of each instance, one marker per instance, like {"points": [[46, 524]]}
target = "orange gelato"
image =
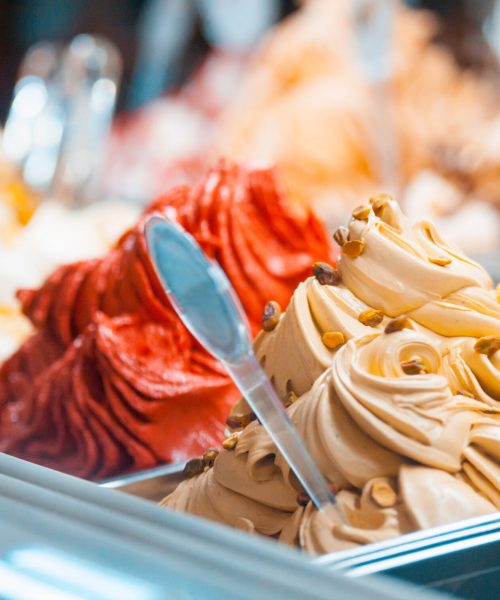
{"points": [[111, 381]]}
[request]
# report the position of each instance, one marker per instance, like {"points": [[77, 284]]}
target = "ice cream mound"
{"points": [[306, 104], [389, 368], [111, 381]]}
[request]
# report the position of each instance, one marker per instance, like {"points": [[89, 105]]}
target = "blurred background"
{"points": [[107, 104], [26, 22]]}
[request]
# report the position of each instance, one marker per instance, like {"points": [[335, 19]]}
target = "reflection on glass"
{"points": [[39, 572]]}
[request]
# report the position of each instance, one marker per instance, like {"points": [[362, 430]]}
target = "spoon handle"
{"points": [[262, 397]]}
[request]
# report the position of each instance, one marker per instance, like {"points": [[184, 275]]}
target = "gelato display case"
{"points": [[323, 419], [65, 538], [459, 559]]}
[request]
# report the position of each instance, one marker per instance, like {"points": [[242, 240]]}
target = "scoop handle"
{"points": [[262, 397]]}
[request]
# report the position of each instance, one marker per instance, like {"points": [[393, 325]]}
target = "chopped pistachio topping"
{"points": [[378, 202], [333, 339], [341, 236], [240, 421], [230, 442], [353, 248], [397, 324], [326, 274], [383, 494], [413, 367], [487, 344], [441, 261], [210, 456], [271, 316], [193, 467], [371, 317], [361, 213]]}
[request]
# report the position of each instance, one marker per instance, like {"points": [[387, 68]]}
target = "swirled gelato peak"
{"points": [[389, 366], [403, 266]]}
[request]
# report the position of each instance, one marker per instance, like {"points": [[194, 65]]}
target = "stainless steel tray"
{"points": [[152, 484], [66, 537], [461, 558]]}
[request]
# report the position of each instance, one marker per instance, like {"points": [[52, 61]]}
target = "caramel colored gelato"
{"points": [[390, 370], [307, 104]]}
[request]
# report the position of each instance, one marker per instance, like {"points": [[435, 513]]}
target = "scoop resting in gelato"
{"points": [[389, 368], [111, 381]]}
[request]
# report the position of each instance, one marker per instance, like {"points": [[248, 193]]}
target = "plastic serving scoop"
{"points": [[207, 304]]}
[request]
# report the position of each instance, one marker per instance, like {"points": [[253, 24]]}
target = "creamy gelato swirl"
{"points": [[394, 273], [416, 416], [426, 498], [402, 418], [293, 354]]}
